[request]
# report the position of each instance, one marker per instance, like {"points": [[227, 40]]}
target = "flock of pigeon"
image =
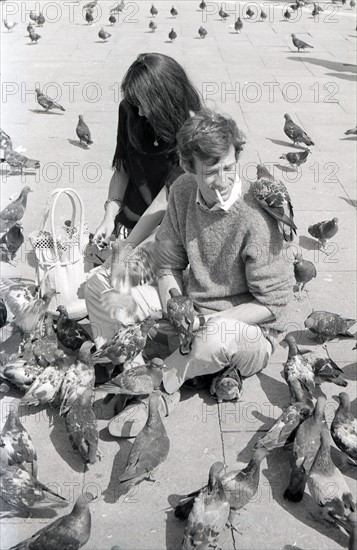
{"points": [[55, 366]]}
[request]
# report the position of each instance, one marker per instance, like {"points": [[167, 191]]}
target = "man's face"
{"points": [[220, 176]]}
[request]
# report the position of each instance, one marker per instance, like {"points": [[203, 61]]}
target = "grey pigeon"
{"points": [[249, 12], [83, 131], [14, 211], [152, 26], [263, 15], [17, 160], [46, 102], [287, 15], [30, 28], [9, 24], [304, 271], [112, 19], [104, 35], [300, 44], [82, 427], [10, 243], [202, 32], [202, 5], [172, 35], [173, 12], [327, 325], [33, 16], [89, 17], [295, 133], [323, 231], [69, 532], [153, 11], [223, 15], [351, 132], [238, 25], [34, 36], [296, 159], [40, 20]]}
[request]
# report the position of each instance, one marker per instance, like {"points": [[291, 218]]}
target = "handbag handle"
{"points": [[51, 209]]}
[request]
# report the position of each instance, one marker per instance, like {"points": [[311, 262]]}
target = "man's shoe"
{"points": [[133, 418]]}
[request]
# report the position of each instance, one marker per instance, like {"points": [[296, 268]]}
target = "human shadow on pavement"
{"points": [[277, 474], [331, 65]]}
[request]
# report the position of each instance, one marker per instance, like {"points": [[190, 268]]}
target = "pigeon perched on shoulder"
{"points": [[69, 332], [351, 132], [9, 24], [304, 271], [46, 102], [10, 243], [295, 133], [238, 25], [104, 35], [18, 161], [296, 159], [83, 131], [300, 44], [324, 231], [34, 36], [71, 531], [151, 446], [202, 32], [153, 11], [14, 212], [172, 35], [273, 196], [328, 325], [173, 12]]}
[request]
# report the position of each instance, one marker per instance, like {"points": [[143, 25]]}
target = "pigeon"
{"points": [[46, 387], [40, 20], [181, 315], [90, 5], [137, 269], [352, 4], [306, 445], [328, 325], [300, 45], [30, 28], [324, 475], [82, 426], [315, 12], [140, 380], [83, 131], [153, 11], [202, 5], [46, 102], [10, 242], [284, 428], [172, 35], [68, 532], [228, 385], [28, 310], [16, 160], [202, 32], [17, 443], [34, 36], [240, 486], [223, 15], [9, 24], [119, 7], [318, 8], [263, 15], [152, 26], [298, 367], [295, 133], [77, 378], [70, 333], [349, 523], [104, 36], [344, 428], [112, 19], [323, 231], [4, 137], [296, 159], [173, 12], [238, 25], [274, 198], [294, 7], [343, 2], [351, 132], [23, 491], [3, 313], [326, 370], [209, 514], [19, 372], [249, 12], [151, 446], [33, 16], [89, 17], [287, 15], [304, 272], [45, 345]]}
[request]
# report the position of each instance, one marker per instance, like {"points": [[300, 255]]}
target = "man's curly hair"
{"points": [[208, 135]]}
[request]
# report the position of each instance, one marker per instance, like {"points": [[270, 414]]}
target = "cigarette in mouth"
{"points": [[219, 196]]}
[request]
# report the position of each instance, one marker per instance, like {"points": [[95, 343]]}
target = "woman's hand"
{"points": [[102, 235]]}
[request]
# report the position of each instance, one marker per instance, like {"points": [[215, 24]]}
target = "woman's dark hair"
{"points": [[208, 135], [159, 85]]}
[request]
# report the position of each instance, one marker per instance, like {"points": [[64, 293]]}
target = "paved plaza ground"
{"points": [[257, 76]]}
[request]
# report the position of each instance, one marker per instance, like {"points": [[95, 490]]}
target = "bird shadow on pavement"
{"points": [[308, 243], [349, 138], [350, 372], [285, 169], [42, 112], [115, 489], [78, 144], [61, 443], [277, 474], [174, 529], [351, 202], [339, 460], [285, 143], [244, 456], [338, 68]]}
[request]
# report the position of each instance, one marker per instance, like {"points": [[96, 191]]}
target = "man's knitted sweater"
{"points": [[234, 257]]}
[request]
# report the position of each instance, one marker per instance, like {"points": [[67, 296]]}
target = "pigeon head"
{"points": [[49, 295], [38, 91], [335, 220], [259, 454], [344, 400], [298, 257], [82, 503], [293, 35], [26, 190], [80, 118], [309, 322], [286, 116], [263, 172], [62, 310]]}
